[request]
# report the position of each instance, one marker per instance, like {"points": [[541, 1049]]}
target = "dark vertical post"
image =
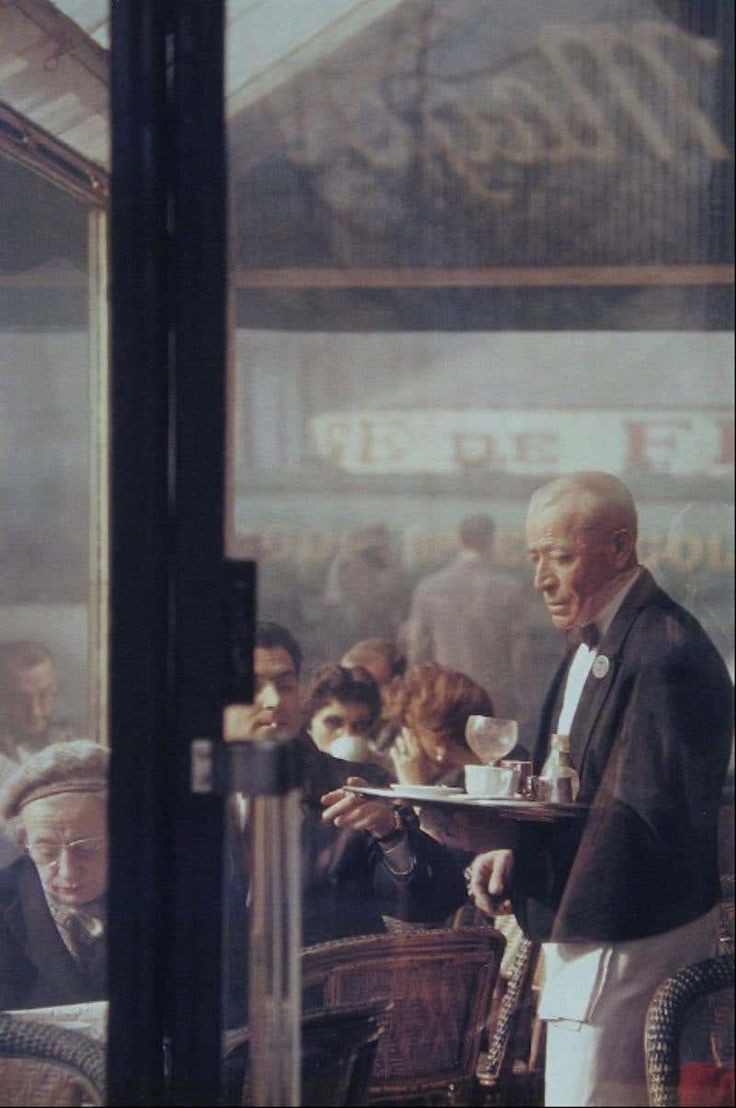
{"points": [[198, 596], [168, 618], [139, 554]]}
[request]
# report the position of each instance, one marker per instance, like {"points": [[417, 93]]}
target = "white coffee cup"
{"points": [[491, 780], [351, 748]]}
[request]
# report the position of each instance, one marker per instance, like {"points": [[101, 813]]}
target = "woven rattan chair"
{"points": [[41, 1064], [338, 1053], [440, 984], [666, 1018], [726, 928], [495, 1070]]}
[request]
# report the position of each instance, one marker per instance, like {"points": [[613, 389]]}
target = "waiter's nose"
{"points": [[543, 577]]}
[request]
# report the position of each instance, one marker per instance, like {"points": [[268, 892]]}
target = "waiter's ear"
{"points": [[623, 547]]}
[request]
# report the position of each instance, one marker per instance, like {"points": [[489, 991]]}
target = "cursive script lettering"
{"points": [[568, 104]]}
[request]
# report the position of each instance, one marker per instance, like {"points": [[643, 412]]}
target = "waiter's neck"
{"points": [[596, 609]]}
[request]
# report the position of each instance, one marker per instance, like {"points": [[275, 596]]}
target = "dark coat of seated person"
{"points": [[359, 862], [348, 885], [52, 898]]}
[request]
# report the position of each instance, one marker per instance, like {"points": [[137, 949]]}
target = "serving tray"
{"points": [[506, 807]]}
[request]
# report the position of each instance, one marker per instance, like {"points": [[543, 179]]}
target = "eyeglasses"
{"points": [[81, 850]]}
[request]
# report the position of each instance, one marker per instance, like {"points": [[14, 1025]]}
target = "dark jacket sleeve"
{"points": [[16, 972], [434, 888]]}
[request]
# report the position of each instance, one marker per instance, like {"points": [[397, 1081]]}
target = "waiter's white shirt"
{"points": [[575, 974], [582, 663]]}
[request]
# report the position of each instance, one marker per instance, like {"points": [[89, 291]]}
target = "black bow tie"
{"points": [[589, 634]]}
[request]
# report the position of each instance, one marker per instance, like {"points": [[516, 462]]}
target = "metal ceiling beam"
{"points": [[67, 35], [33, 146]]}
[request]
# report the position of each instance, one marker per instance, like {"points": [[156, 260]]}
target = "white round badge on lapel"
{"points": [[601, 666]]}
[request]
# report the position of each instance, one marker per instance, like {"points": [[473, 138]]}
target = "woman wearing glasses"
{"points": [[52, 899]]}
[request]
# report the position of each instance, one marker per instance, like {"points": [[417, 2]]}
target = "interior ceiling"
{"points": [[53, 57]]}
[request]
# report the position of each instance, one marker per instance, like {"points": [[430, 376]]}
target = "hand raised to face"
{"points": [[411, 762]]}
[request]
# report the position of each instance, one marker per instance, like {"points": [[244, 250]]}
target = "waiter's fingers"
{"points": [[487, 880]]}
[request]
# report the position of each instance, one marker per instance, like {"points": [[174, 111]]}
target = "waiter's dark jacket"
{"points": [[651, 739]]}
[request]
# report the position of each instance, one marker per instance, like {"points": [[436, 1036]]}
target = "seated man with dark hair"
{"points": [[359, 860]]}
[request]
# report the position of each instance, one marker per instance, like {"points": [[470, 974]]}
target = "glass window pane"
{"points": [[46, 445], [473, 248], [53, 615]]}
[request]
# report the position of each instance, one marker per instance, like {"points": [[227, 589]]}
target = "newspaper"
{"points": [[90, 1017]]}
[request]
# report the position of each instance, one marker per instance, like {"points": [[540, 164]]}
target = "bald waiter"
{"points": [[629, 895]]}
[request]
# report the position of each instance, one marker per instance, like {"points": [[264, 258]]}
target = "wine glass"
{"points": [[491, 738]]}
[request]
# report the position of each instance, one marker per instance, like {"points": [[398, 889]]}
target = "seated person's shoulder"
{"points": [[9, 879], [323, 773], [375, 775]]}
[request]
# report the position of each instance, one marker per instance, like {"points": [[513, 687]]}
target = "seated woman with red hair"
{"points": [[430, 706]]}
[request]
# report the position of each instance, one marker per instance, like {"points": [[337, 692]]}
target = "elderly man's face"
{"points": [[573, 564], [29, 700], [66, 837]]}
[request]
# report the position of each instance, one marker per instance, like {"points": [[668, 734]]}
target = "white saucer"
{"points": [[427, 792], [494, 796]]}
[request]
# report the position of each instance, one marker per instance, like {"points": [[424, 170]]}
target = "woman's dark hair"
{"points": [[348, 686]]}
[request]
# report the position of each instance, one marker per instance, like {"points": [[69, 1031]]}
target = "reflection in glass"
{"points": [[45, 445], [471, 251]]}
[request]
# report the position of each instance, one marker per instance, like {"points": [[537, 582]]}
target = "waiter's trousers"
{"points": [[599, 1060]]}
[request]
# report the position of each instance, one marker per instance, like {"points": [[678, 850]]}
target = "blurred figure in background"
{"points": [[29, 689], [52, 899], [470, 618], [365, 587], [381, 657], [279, 587]]}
